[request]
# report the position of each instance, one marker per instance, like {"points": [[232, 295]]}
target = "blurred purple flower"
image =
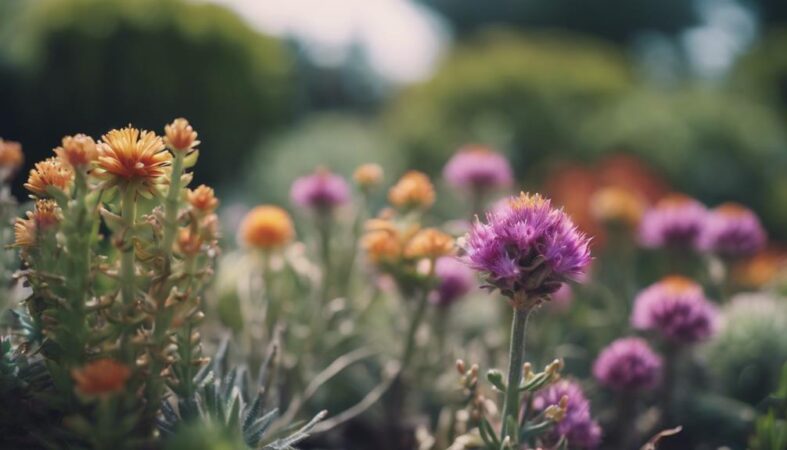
{"points": [[321, 191], [628, 364], [675, 221], [478, 168], [677, 309], [578, 427], [527, 247], [455, 281], [732, 230]]}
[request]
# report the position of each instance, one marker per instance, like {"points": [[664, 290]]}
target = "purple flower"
{"points": [[628, 364], [455, 281], [677, 309], [527, 247], [732, 230], [675, 221], [321, 191], [478, 168], [578, 427]]}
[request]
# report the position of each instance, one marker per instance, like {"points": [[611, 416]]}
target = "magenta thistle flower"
{"points": [[577, 427], [675, 221], [527, 247], [321, 191], [732, 230], [455, 281], [478, 168], [628, 364], [677, 309]]}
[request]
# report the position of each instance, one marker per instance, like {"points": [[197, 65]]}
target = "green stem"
{"points": [[324, 229], [171, 207], [516, 358], [415, 323], [127, 279]]}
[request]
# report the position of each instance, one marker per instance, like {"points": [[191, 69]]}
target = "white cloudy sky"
{"points": [[402, 39]]}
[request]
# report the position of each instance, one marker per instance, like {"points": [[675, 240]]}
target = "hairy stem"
{"points": [[171, 207], [516, 357]]}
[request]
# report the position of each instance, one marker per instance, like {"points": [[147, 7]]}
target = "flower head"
{"points": [[675, 221], [203, 199], [101, 377], [527, 247], [49, 172], [46, 216], [429, 243], [617, 205], [321, 191], [455, 280], [180, 136], [677, 309], [189, 242], [267, 227], [11, 157], [368, 176], [412, 191], [79, 151], [732, 230], [133, 158], [478, 167], [577, 426], [382, 241], [628, 364]]}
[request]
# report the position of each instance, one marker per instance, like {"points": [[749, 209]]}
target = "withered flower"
{"points": [[101, 377]]}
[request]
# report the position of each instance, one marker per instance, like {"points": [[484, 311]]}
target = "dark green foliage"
{"points": [[771, 427]]}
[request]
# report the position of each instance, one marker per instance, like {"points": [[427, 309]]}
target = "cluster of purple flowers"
{"points": [[478, 168], [628, 364], [577, 426], [677, 309], [678, 221], [455, 281], [321, 191], [527, 247]]}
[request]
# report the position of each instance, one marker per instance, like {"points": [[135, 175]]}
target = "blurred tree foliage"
{"points": [[617, 20], [763, 70], [710, 143], [524, 94], [90, 65]]}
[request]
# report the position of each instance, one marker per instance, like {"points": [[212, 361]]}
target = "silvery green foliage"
{"points": [[235, 404]]}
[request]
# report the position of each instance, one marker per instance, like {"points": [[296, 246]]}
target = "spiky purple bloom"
{"points": [[675, 221], [732, 230], [677, 309], [628, 364], [527, 247], [478, 168], [578, 427], [455, 281], [321, 191]]}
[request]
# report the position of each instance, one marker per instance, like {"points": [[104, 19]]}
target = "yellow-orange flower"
{"points": [[78, 150], [617, 205], [128, 156], [761, 268], [11, 156], [429, 243], [203, 199], [368, 176], [413, 190], [267, 227], [189, 243], [382, 241], [49, 172], [180, 136], [101, 377], [44, 217]]}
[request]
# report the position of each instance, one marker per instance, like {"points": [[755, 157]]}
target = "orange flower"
{"points": [[11, 157], [49, 172], [101, 377], [128, 156], [189, 242], [617, 205], [382, 241], [368, 176], [267, 227], [180, 136], [760, 269], [203, 199], [429, 243], [413, 190], [44, 217], [78, 150]]}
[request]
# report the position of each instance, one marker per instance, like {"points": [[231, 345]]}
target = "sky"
{"points": [[403, 40]]}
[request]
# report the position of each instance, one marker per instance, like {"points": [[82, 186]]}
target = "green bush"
{"points": [[763, 71], [90, 65], [525, 94]]}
